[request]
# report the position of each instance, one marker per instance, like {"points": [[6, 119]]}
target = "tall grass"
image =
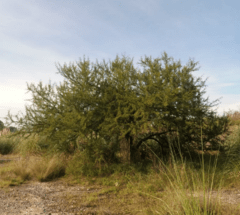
{"points": [[188, 190], [181, 186], [40, 168]]}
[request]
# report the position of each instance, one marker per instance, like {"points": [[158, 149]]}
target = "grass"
{"points": [[175, 188], [42, 169], [7, 176]]}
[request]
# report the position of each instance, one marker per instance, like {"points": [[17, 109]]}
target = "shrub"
{"points": [[8, 145]]}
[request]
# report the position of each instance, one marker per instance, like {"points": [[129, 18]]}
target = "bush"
{"points": [[8, 145], [95, 159], [232, 154]]}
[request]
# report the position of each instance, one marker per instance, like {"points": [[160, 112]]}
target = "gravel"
{"points": [[41, 198]]}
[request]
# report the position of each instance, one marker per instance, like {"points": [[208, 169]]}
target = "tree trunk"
{"points": [[125, 150]]}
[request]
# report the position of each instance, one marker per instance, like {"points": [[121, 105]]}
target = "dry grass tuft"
{"points": [[40, 168]]}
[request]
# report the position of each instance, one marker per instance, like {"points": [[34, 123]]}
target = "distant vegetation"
{"points": [[1, 125], [12, 129]]}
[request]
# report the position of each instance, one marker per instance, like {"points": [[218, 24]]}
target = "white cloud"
{"points": [[225, 85], [13, 96]]}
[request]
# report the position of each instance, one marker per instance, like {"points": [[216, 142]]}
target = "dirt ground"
{"points": [[48, 198], [43, 198], [33, 197]]}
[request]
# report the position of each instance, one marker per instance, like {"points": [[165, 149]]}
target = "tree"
{"points": [[116, 100], [13, 129], [1, 125]]}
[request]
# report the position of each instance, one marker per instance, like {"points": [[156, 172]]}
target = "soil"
{"points": [[41, 198], [47, 198], [35, 197]]}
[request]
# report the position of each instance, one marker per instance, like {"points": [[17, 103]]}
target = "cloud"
{"points": [[13, 96], [14, 92]]}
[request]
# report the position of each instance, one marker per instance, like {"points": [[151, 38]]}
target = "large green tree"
{"points": [[118, 100]]}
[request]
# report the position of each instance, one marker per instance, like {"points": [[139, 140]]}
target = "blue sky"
{"points": [[34, 35]]}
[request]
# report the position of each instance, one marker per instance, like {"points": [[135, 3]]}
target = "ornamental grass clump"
{"points": [[188, 190]]}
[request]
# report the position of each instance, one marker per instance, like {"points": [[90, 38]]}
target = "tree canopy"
{"points": [[118, 100]]}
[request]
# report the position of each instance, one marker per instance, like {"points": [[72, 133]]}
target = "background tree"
{"points": [[116, 100], [13, 129], [1, 125]]}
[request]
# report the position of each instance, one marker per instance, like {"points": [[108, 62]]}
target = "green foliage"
{"points": [[6, 146], [12, 129], [133, 106], [1, 125], [231, 156], [28, 146], [94, 160]]}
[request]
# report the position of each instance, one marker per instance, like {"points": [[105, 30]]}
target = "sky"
{"points": [[35, 35]]}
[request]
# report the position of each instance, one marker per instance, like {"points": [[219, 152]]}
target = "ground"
{"points": [[42, 198], [63, 196], [51, 198]]}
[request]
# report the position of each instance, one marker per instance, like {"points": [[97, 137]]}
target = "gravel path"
{"points": [[35, 197], [41, 198]]}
